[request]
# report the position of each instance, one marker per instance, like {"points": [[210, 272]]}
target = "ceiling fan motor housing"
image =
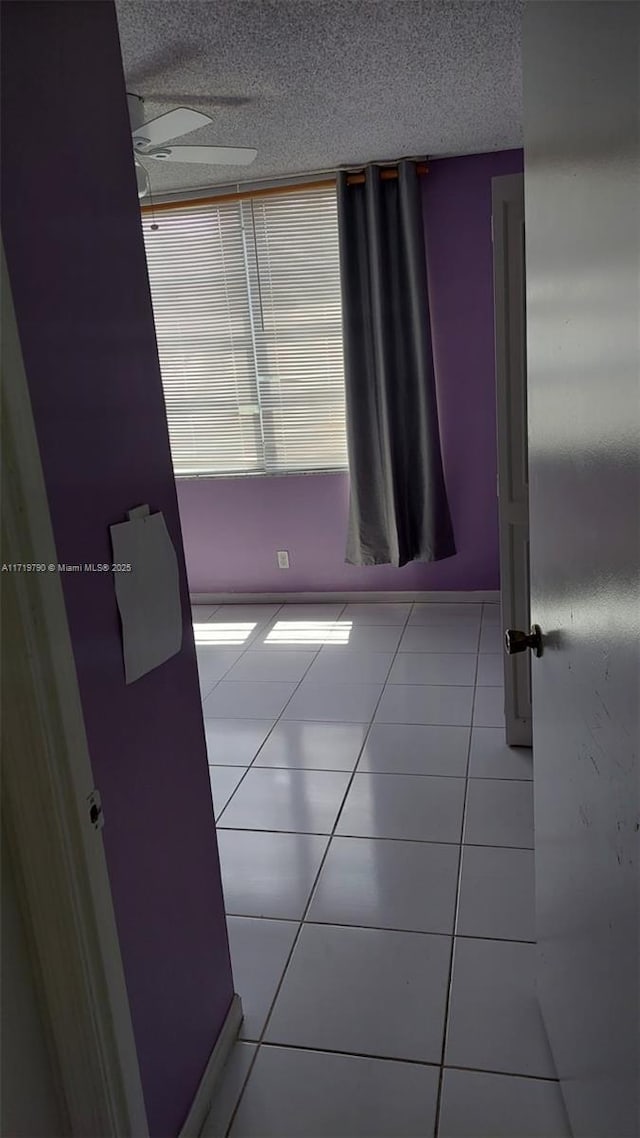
{"points": [[142, 180], [136, 110]]}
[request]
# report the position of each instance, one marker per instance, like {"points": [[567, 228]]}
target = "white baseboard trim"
{"points": [[489, 596], [201, 1104]]}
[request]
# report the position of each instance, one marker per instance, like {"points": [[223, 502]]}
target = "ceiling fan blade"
{"points": [[199, 100], [172, 125], [206, 155]]}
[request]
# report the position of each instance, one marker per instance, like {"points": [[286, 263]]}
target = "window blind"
{"points": [[246, 301]]}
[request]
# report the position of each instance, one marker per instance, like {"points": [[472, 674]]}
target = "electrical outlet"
{"points": [[283, 559]]}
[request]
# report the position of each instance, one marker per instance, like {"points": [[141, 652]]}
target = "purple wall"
{"points": [[74, 247], [233, 527]]}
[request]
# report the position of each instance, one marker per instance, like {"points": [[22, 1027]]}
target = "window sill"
{"points": [[261, 474]]}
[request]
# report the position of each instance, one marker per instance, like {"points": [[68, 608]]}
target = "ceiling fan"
{"points": [[150, 138]]}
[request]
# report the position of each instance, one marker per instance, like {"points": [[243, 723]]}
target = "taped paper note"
{"points": [[148, 594]]}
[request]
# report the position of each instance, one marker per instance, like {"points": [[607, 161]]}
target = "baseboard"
{"points": [[201, 1104], [489, 596]]}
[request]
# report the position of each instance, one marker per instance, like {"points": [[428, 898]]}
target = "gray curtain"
{"points": [[398, 501]]}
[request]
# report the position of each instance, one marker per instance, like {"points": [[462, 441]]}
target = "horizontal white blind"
{"points": [[246, 299], [295, 290], [203, 326]]}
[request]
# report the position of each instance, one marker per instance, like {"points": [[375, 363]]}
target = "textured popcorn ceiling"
{"points": [[316, 84]]}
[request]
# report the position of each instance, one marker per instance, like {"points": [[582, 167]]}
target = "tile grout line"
{"points": [[244, 648], [447, 1006], [303, 677], [364, 683], [410, 1062], [346, 770], [274, 725], [204, 718], [317, 651], [379, 929], [365, 838], [253, 763], [247, 646], [362, 722], [311, 894], [261, 1042]]}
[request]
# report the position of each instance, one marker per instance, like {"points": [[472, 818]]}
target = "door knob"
{"points": [[517, 641]]}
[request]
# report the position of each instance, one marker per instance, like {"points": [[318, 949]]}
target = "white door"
{"points": [[507, 218], [582, 196]]}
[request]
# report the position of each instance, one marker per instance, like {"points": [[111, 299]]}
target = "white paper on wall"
{"points": [[148, 595]]}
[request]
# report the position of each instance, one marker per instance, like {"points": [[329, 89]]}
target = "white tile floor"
{"points": [[376, 843]]}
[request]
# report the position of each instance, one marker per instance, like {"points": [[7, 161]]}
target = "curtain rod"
{"points": [[388, 173]]}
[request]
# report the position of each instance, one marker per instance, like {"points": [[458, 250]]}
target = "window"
{"points": [[246, 300]]}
